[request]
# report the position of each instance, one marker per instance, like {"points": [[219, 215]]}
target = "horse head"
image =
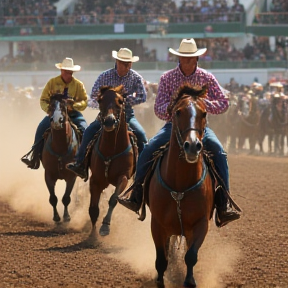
{"points": [[111, 103], [188, 112], [57, 111]]}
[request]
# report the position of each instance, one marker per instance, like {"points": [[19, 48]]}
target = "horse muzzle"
{"points": [[110, 123], [192, 150]]}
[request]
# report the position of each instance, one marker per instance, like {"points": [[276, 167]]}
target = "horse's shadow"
{"points": [[85, 244]]}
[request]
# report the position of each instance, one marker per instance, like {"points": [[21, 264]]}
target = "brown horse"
{"points": [[181, 194], [113, 157], [60, 147]]}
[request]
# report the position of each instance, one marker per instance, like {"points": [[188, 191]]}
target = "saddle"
{"points": [[217, 181], [34, 156]]}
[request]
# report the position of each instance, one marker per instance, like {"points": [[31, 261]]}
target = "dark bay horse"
{"points": [[60, 146], [181, 194], [114, 155], [248, 122], [274, 124]]}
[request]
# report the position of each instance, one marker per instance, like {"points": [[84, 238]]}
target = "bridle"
{"points": [[180, 133]]}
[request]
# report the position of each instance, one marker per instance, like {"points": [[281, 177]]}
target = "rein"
{"points": [[107, 160], [177, 195]]}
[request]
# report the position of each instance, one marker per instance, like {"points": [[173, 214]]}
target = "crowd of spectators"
{"points": [[219, 49], [37, 12], [277, 13], [28, 12]]}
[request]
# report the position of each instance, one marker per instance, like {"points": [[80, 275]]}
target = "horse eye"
{"points": [[178, 113], [120, 102]]}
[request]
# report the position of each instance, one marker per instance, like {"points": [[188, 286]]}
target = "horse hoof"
{"points": [[56, 218], [160, 284], [189, 285], [104, 230], [67, 218]]}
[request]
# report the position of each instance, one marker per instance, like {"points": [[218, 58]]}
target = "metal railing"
{"points": [[162, 66], [271, 18], [92, 19]]}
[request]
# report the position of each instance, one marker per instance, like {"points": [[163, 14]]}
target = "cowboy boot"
{"points": [[224, 212], [135, 200], [78, 168]]}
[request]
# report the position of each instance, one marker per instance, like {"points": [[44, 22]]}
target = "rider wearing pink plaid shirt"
{"points": [[187, 71], [216, 103]]}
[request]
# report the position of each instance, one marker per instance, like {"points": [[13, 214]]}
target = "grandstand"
{"points": [[241, 35]]}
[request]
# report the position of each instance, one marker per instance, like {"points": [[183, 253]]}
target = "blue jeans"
{"points": [[210, 143], [94, 127], [75, 116]]}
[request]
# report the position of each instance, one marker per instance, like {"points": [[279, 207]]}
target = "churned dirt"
{"points": [[34, 252]]}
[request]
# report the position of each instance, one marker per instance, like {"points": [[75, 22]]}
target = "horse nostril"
{"points": [[109, 121], [186, 146], [199, 146]]}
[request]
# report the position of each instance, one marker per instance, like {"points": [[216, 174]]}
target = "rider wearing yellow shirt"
{"points": [[77, 97]]}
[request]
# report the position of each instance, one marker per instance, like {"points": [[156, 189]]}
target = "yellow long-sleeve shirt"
{"points": [[76, 90]]}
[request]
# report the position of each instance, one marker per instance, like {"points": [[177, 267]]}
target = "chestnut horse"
{"points": [[181, 191], [60, 147], [113, 157]]}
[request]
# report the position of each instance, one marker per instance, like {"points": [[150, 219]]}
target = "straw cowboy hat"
{"points": [[188, 48], [125, 55], [68, 64]]}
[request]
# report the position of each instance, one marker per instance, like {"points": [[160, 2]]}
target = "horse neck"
{"points": [[61, 138], [177, 172], [116, 141]]}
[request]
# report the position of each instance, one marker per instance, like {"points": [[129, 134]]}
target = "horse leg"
{"points": [[67, 199], [105, 228], [160, 242], [50, 183], [95, 193], [194, 243]]}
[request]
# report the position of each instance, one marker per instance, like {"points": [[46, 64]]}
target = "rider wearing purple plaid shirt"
{"points": [[133, 83], [187, 71]]}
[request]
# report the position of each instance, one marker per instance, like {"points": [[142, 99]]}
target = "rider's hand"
{"points": [[70, 103]]}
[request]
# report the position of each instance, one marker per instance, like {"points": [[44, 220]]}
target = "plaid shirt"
{"points": [[132, 82], [216, 102]]}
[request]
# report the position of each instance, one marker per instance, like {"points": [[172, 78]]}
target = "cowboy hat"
{"points": [[68, 64], [125, 55], [188, 48], [276, 84]]}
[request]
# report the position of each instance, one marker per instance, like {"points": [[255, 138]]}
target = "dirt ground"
{"points": [[251, 252]]}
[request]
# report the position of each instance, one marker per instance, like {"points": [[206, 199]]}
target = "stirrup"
{"points": [[34, 162], [234, 215]]}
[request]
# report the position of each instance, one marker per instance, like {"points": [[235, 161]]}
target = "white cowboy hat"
{"points": [[125, 55], [188, 48], [68, 64]]}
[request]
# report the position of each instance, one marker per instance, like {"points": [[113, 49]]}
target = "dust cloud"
{"points": [[130, 239]]}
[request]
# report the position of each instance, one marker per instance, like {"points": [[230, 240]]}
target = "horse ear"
{"points": [[120, 89], [203, 92]]}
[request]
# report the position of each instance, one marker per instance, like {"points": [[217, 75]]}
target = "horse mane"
{"points": [[57, 97], [187, 90], [103, 89]]}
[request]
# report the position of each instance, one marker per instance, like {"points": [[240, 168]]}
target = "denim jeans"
{"points": [[75, 116], [139, 132], [210, 143], [94, 127]]}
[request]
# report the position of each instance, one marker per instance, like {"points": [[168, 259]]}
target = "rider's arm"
{"points": [[162, 99], [139, 94], [217, 101], [95, 89], [45, 96], [81, 97]]}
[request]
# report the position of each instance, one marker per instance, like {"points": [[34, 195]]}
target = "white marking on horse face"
{"points": [[57, 115]]}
